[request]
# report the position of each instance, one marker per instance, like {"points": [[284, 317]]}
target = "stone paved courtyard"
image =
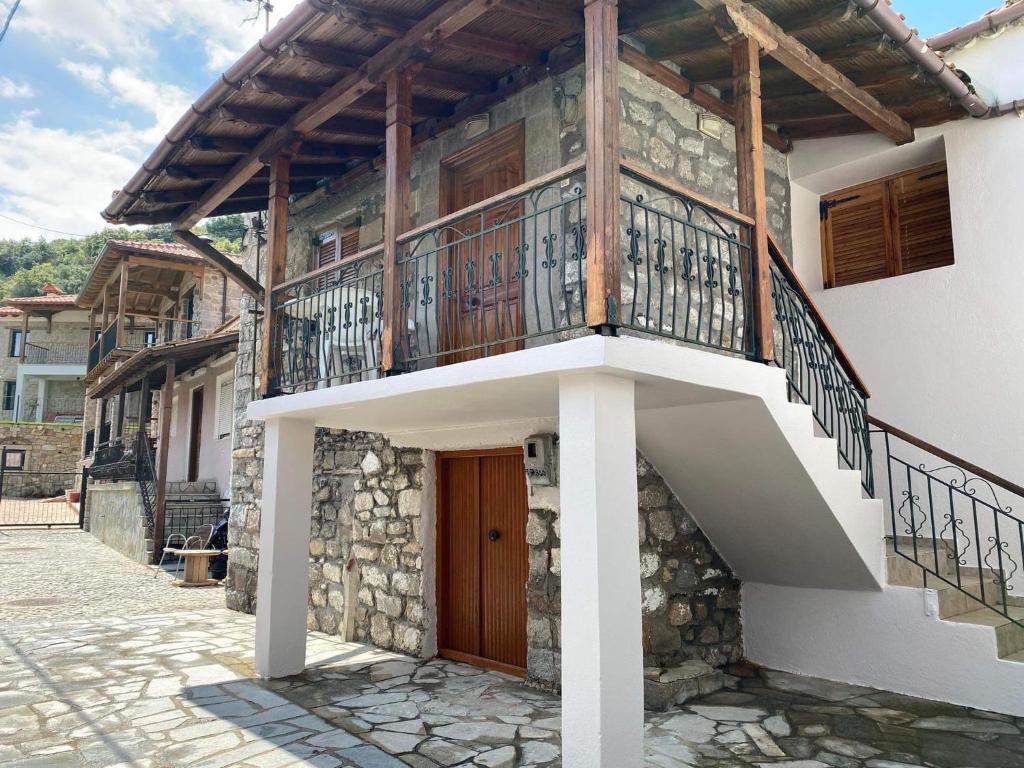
{"points": [[124, 687]]}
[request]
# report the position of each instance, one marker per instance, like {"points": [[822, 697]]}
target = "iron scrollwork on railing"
{"points": [[816, 377], [954, 524], [686, 270], [498, 276], [328, 327]]}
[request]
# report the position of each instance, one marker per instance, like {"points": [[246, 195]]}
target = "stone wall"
{"points": [[690, 599], [114, 514], [49, 447]]}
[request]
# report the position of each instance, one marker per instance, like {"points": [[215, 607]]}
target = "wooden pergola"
{"points": [[352, 88]]}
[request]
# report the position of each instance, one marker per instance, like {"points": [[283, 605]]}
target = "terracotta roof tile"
{"points": [[60, 299], [154, 247], [9, 312]]}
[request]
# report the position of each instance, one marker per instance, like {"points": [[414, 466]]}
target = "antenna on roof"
{"points": [[264, 7]]}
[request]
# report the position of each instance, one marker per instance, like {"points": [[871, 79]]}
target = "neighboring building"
{"points": [[45, 340], [511, 403], [161, 388]]}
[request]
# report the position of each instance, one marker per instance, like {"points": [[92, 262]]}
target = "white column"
{"points": [[40, 399], [282, 591], [602, 655]]}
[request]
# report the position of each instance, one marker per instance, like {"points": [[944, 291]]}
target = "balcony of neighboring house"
{"points": [[138, 294]]}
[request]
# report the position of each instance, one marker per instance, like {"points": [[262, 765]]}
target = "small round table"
{"points": [[197, 566]]}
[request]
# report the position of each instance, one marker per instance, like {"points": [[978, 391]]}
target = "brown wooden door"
{"points": [[195, 440], [482, 316], [482, 558]]}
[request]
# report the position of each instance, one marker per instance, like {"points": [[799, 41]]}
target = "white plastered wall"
{"points": [[940, 349]]}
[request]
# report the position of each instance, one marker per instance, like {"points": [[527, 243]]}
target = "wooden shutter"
{"points": [[925, 229], [349, 241], [887, 227], [335, 246]]}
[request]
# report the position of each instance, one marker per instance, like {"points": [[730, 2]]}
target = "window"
{"points": [[14, 349], [14, 459], [149, 338], [336, 245], [10, 388], [892, 226], [225, 404]]}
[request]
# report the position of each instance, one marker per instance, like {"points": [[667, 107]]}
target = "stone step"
{"points": [[1009, 635], [665, 688]]}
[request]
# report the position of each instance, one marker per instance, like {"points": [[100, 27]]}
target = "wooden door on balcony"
{"points": [[482, 558], [482, 317]]}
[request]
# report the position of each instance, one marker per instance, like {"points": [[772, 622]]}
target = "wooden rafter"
{"points": [[269, 118], [689, 90], [444, 21], [302, 90], [734, 17], [564, 16], [309, 152], [220, 262]]}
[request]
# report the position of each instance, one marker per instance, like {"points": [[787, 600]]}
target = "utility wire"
{"points": [[7, 21], [44, 229]]}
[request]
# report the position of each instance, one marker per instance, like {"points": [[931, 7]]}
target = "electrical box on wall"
{"points": [[541, 459]]}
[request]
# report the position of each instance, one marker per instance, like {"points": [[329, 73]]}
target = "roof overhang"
{"points": [[315, 82]]}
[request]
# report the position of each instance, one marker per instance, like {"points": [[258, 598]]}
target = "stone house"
{"points": [[44, 340], [538, 386], [161, 391]]}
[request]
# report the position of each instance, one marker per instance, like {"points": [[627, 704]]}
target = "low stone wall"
{"points": [[115, 516], [48, 447]]}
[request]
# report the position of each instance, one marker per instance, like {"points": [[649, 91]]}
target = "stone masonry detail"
{"points": [[690, 598]]}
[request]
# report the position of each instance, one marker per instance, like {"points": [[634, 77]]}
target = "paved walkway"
{"points": [[123, 688]]}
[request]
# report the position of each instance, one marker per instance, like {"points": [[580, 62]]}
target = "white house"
{"points": [[548, 380]]}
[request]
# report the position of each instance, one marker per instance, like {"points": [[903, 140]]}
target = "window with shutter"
{"points": [[335, 246], [225, 406], [888, 227]]}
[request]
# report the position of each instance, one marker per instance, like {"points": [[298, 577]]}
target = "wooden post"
{"points": [[92, 327], [397, 161], [122, 395], [145, 406], [24, 335], [122, 300], [750, 177], [277, 257], [604, 290], [166, 411]]}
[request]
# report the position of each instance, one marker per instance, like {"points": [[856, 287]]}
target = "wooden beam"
{"points": [[163, 448], [122, 297], [750, 178], [176, 266], [274, 272], [690, 90], [556, 14], [397, 162], [604, 290], [736, 17], [302, 90], [345, 62], [444, 21], [257, 191], [220, 262], [269, 118]]}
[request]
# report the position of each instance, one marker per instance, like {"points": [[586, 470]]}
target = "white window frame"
{"points": [[229, 374]]}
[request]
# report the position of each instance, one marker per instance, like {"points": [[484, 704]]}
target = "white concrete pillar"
{"points": [[282, 591], [41, 399], [602, 655]]}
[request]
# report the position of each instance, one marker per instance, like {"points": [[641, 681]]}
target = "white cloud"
{"points": [[12, 90], [58, 178], [90, 74]]}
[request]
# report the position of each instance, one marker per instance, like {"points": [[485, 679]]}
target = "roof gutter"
{"points": [[894, 27], [990, 22], [264, 50]]}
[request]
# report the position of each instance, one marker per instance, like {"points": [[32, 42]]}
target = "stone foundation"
{"points": [[115, 516], [48, 447]]}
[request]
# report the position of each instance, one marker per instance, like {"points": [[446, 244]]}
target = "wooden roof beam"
{"points": [[310, 150], [344, 61], [564, 16], [442, 23], [270, 118], [216, 171], [734, 17], [220, 262], [301, 90], [688, 90]]}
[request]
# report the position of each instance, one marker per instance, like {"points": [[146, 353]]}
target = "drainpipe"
{"points": [[890, 22]]}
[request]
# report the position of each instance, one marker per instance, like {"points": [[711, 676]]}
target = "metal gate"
{"points": [[31, 499]]}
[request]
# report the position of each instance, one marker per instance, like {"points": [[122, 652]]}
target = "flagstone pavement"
{"points": [[124, 686]]}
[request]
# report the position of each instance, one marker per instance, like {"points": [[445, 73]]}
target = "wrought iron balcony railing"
{"points": [[495, 276], [132, 339], [328, 328], [55, 353], [686, 273]]}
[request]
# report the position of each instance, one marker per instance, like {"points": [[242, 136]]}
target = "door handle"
{"points": [[494, 534]]}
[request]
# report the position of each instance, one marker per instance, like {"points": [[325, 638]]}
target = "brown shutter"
{"points": [[924, 229], [327, 250], [854, 235], [349, 241]]}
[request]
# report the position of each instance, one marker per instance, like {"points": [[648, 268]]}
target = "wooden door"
{"points": [[195, 439], [482, 558], [482, 316]]}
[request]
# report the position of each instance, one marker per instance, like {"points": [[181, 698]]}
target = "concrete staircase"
{"points": [[959, 605]]}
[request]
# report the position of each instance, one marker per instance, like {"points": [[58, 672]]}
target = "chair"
{"points": [[167, 546]]}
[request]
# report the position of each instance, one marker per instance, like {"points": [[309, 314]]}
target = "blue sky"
{"points": [[88, 87]]}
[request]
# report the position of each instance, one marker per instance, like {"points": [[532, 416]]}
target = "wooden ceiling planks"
{"points": [[453, 79]]}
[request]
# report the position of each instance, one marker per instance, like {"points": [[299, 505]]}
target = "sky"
{"points": [[89, 87]]}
